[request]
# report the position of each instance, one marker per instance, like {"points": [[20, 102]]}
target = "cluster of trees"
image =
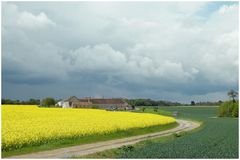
{"points": [[31, 101], [150, 102], [230, 108]]}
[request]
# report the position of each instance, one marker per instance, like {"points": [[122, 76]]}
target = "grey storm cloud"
{"points": [[124, 49]]}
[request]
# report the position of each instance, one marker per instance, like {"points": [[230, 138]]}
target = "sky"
{"points": [[176, 51]]}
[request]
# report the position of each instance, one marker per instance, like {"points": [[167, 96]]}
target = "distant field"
{"points": [[217, 138], [30, 126]]}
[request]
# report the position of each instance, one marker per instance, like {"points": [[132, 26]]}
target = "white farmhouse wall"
{"points": [[66, 105]]}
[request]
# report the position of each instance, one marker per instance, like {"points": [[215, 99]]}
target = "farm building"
{"points": [[109, 104], [60, 103]]}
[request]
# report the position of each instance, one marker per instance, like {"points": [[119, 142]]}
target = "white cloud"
{"points": [[189, 7], [30, 21], [104, 59], [152, 44], [24, 19]]}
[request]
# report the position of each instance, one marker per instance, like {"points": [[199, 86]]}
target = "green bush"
{"points": [[228, 109], [235, 110]]}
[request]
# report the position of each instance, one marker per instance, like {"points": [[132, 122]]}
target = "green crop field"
{"points": [[217, 138]]}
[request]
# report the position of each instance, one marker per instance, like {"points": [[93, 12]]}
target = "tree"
{"points": [[192, 103], [143, 109], [229, 109], [48, 102], [232, 94]]}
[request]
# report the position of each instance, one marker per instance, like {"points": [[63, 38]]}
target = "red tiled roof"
{"points": [[105, 101]]}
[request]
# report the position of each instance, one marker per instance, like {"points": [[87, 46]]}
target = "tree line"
{"points": [[31, 101], [207, 103], [150, 102], [46, 102], [49, 101]]}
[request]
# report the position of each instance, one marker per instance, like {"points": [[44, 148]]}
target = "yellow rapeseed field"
{"points": [[29, 124]]}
